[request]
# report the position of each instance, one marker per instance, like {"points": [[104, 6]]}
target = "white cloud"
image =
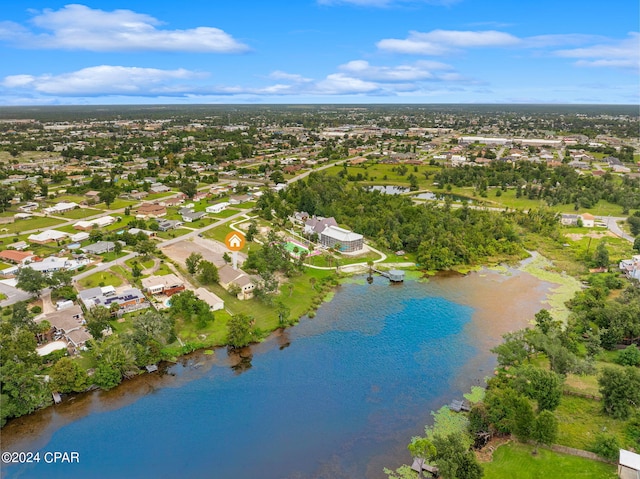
{"points": [[620, 54], [356, 77], [416, 72], [280, 75], [104, 80], [78, 27], [441, 42]]}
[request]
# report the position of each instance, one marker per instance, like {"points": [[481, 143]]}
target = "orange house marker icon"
{"points": [[235, 241]]}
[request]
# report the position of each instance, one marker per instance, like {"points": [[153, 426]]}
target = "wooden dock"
{"points": [[394, 275]]}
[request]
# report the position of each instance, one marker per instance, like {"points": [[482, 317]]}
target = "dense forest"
{"points": [[561, 185], [440, 237]]}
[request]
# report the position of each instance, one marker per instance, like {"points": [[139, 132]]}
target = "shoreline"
{"points": [[190, 366]]}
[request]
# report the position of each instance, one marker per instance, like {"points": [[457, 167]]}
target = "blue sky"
{"points": [[320, 51]]}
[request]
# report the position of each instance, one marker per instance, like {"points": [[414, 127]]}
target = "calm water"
{"points": [[336, 396]]}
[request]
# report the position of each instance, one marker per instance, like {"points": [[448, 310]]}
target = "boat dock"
{"points": [[394, 275]]}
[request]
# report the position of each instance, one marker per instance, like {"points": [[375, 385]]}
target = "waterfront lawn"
{"points": [[100, 278], [515, 460], [580, 420], [213, 334]]}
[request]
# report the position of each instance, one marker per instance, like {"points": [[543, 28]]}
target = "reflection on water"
{"points": [[336, 396]]}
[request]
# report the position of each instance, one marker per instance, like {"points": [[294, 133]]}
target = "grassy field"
{"points": [[100, 278], [512, 461], [35, 223], [79, 213], [580, 420]]}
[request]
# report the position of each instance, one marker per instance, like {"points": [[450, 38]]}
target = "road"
{"points": [[612, 225]]}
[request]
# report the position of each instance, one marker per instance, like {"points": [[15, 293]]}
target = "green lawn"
{"points": [[79, 213], [580, 420], [512, 461], [100, 278], [117, 204], [173, 233], [35, 223]]}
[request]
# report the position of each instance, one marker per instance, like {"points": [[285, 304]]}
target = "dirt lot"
{"points": [[592, 234], [209, 249]]}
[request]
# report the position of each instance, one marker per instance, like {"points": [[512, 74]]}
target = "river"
{"points": [[337, 396]]}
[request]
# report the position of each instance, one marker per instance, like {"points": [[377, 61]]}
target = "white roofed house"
{"points": [[348, 241], [97, 222], [47, 236], [61, 207]]}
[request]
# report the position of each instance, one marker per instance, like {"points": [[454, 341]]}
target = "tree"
{"points": [[226, 257], [208, 273], [545, 322], [240, 330], [31, 281], [454, 459], [136, 271], [67, 376], [98, 320], [154, 325], [108, 196], [61, 278], [545, 429], [601, 258], [542, 385], [620, 391], [422, 450], [192, 262], [117, 247], [145, 247], [629, 356], [252, 231], [523, 419], [189, 188], [636, 244], [283, 313]]}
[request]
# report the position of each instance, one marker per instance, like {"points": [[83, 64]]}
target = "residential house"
{"points": [[47, 236], [130, 299], [100, 247], [69, 323], [148, 233], [191, 216], [171, 202], [568, 219], [92, 196], [348, 241], [215, 303], [317, 224], [166, 225], [588, 220], [230, 277], [158, 188], [82, 236], [18, 257], [217, 208], [151, 210], [95, 223], [61, 207], [168, 284]]}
